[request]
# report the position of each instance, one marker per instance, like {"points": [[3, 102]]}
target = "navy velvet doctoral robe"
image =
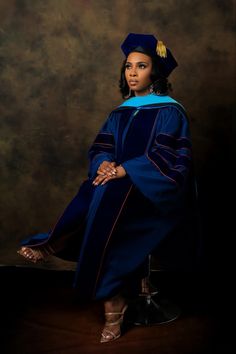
{"points": [[111, 229]]}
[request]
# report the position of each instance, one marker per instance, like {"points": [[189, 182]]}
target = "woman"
{"points": [[138, 190]]}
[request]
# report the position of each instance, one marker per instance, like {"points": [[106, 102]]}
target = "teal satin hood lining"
{"points": [[147, 99]]}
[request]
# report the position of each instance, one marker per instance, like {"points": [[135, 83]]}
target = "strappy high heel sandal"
{"points": [[108, 335], [37, 254]]}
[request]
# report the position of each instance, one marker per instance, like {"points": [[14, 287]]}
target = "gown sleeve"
{"points": [[103, 147], [162, 172]]}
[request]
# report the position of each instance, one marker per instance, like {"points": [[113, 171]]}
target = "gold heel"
{"points": [[107, 334]]}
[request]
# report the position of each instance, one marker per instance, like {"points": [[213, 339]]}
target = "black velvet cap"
{"points": [[148, 44]]}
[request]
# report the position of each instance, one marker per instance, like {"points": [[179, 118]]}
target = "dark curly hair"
{"points": [[160, 83]]}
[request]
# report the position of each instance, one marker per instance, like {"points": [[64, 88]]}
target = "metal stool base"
{"points": [[145, 311]]}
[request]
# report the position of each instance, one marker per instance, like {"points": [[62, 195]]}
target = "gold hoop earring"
{"points": [[151, 90]]}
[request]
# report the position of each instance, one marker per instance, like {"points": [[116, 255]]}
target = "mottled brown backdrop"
{"points": [[59, 72]]}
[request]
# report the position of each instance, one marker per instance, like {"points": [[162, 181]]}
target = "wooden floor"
{"points": [[40, 313]]}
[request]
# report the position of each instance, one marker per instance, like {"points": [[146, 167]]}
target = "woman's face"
{"points": [[138, 69]]}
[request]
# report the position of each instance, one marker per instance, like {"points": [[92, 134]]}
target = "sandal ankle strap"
{"points": [[113, 313], [117, 313], [119, 321]]}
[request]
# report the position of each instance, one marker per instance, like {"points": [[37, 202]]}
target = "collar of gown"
{"points": [[149, 99]]}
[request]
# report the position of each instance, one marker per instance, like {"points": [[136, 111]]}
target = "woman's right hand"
{"points": [[106, 169]]}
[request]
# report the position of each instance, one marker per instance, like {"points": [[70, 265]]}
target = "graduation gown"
{"points": [[111, 229]]}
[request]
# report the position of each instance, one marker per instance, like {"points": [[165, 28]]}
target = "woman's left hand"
{"points": [[102, 179]]}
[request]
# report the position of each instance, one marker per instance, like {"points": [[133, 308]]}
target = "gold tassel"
{"points": [[161, 49]]}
